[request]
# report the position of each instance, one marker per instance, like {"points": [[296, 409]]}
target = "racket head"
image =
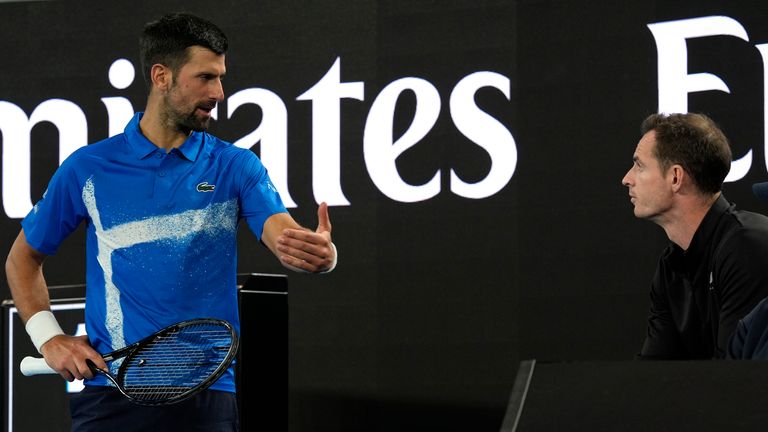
{"points": [[177, 362]]}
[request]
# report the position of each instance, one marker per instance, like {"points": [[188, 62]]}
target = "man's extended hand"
{"points": [[307, 251]]}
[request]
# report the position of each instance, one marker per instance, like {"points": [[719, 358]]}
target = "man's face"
{"points": [[649, 188], [195, 90]]}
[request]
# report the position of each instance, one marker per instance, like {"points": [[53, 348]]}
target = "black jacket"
{"points": [[698, 296]]}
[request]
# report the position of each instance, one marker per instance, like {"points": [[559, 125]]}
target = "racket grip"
{"points": [[35, 366]]}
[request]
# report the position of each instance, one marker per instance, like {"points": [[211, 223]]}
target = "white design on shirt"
{"points": [[214, 218]]}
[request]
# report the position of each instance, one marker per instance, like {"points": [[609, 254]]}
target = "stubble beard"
{"points": [[184, 122]]}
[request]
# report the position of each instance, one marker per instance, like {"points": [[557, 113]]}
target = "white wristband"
{"points": [[335, 260], [42, 327]]}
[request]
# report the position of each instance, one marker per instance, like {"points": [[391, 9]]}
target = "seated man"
{"points": [[713, 271]]}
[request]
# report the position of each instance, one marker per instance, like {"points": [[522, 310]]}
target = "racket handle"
{"points": [[35, 366]]}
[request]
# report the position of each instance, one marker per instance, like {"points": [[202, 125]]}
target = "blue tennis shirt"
{"points": [[161, 231]]}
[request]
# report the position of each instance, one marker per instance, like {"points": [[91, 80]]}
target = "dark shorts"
{"points": [[98, 409]]}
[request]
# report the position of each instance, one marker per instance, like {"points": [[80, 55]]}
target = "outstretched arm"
{"points": [[65, 354], [298, 248]]}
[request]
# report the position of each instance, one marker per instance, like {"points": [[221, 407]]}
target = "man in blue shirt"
{"points": [[750, 340], [161, 203]]}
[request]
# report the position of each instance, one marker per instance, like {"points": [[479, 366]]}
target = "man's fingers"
{"points": [[91, 359], [70, 357], [85, 369], [313, 243], [312, 259], [315, 257], [296, 265], [70, 371], [67, 375], [307, 251], [98, 362], [304, 236], [302, 250], [323, 219]]}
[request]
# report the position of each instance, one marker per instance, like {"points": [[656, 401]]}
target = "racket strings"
{"points": [[174, 363]]}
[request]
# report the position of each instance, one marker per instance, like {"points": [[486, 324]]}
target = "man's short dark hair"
{"points": [[694, 142], [166, 40]]}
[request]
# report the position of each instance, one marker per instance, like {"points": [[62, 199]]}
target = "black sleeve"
{"points": [[662, 340], [741, 279]]}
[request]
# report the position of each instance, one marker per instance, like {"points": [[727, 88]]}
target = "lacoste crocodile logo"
{"points": [[205, 187]]}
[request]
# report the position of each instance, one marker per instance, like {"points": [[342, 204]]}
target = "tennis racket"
{"points": [[167, 367]]}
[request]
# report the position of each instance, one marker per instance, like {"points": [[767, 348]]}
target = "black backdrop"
{"points": [[434, 302]]}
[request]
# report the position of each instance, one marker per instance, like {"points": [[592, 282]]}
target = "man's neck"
{"points": [[683, 224], [158, 130]]}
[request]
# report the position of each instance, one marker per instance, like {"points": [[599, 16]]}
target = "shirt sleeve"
{"points": [[662, 339], [735, 350], [750, 340], [259, 198], [58, 213]]}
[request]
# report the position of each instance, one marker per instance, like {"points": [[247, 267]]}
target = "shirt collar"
{"points": [[142, 147], [702, 238]]}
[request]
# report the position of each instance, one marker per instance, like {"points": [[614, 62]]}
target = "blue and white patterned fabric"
{"points": [[161, 230]]}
